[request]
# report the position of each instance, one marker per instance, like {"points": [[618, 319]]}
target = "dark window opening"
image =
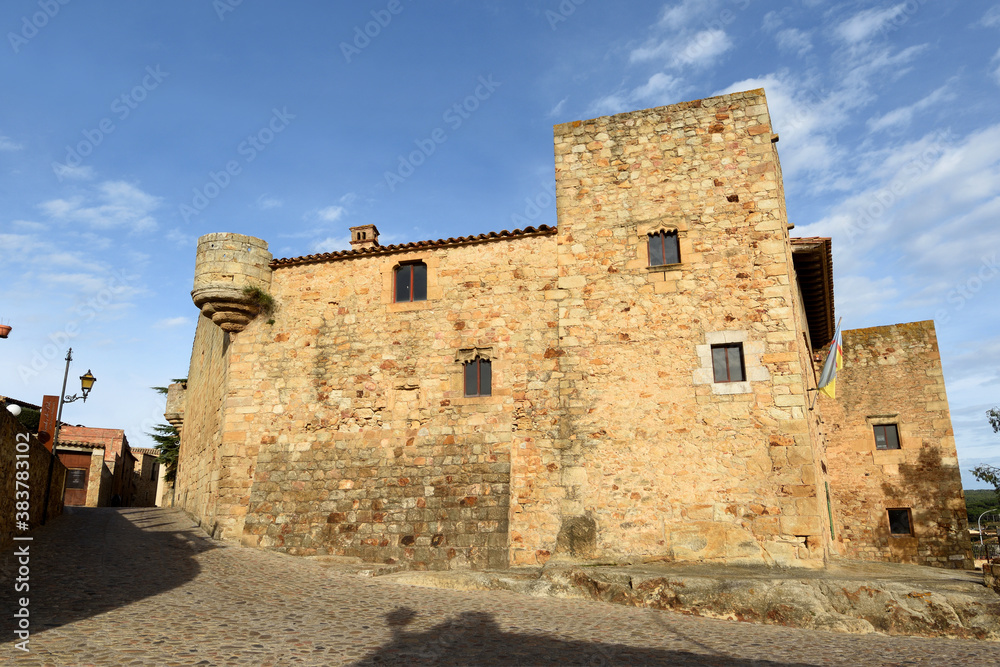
{"points": [[886, 436], [478, 378], [664, 249], [727, 362], [899, 521], [410, 282], [76, 478]]}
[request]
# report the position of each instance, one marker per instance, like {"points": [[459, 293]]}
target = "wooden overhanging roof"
{"points": [[813, 259], [541, 230]]}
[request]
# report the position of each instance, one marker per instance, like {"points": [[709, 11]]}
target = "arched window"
{"points": [[410, 282], [478, 377], [664, 248]]}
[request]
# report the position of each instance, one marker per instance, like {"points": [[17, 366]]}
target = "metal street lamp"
{"points": [[87, 381]]}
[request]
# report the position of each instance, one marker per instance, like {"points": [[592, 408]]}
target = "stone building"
{"points": [[637, 383], [100, 466]]}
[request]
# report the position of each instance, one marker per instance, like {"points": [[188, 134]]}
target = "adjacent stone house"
{"points": [[638, 383], [100, 466]]}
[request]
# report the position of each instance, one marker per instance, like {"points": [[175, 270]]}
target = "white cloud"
{"points": [[557, 109], [702, 48], [793, 40], [330, 213], [657, 91], [7, 145], [902, 116], [996, 72], [686, 12], [264, 202], [865, 24], [114, 204], [79, 173], [28, 224], [172, 322], [991, 19], [772, 21], [332, 244], [699, 49], [180, 238]]}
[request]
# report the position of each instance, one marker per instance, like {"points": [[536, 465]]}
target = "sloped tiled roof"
{"points": [[541, 230]]}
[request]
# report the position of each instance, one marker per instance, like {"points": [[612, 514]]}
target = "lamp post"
{"points": [[87, 381]]}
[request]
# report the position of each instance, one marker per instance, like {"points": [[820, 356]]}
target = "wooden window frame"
{"points": [[478, 363], [729, 375], [909, 520], [885, 432], [411, 267], [661, 237]]}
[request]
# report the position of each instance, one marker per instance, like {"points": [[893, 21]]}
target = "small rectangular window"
{"points": [[664, 248], [410, 282], [727, 362], [478, 378], [886, 436], [899, 521]]}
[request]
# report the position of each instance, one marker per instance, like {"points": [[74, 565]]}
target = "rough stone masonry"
{"points": [[341, 424]]}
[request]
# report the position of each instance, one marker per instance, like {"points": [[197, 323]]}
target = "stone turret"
{"points": [[225, 266], [174, 412]]}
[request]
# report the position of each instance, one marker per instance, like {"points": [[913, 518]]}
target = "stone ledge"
{"points": [[850, 596]]}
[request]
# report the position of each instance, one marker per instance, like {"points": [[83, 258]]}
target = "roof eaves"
{"points": [[541, 230]]}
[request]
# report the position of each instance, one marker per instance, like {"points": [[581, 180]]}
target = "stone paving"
{"points": [[146, 587]]}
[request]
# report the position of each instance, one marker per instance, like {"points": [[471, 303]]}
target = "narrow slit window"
{"points": [[664, 248], [410, 282], [478, 378], [886, 436], [727, 363]]}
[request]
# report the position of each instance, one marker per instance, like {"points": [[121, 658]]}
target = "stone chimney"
{"points": [[364, 237]]}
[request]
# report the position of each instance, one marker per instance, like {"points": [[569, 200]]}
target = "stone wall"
{"points": [[659, 460], [13, 434], [200, 461], [367, 445], [892, 375]]}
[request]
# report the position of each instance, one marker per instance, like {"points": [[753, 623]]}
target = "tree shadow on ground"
{"points": [[474, 638], [92, 560]]}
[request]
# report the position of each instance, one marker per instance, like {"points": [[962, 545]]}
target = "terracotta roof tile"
{"points": [[541, 230]]}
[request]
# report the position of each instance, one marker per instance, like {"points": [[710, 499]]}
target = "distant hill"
{"points": [[978, 501]]}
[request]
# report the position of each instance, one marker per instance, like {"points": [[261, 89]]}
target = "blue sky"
{"points": [[131, 128]]}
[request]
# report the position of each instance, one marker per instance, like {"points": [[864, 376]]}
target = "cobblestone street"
{"points": [[146, 587]]}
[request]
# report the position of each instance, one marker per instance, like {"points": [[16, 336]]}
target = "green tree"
{"points": [[168, 440], [987, 473]]}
